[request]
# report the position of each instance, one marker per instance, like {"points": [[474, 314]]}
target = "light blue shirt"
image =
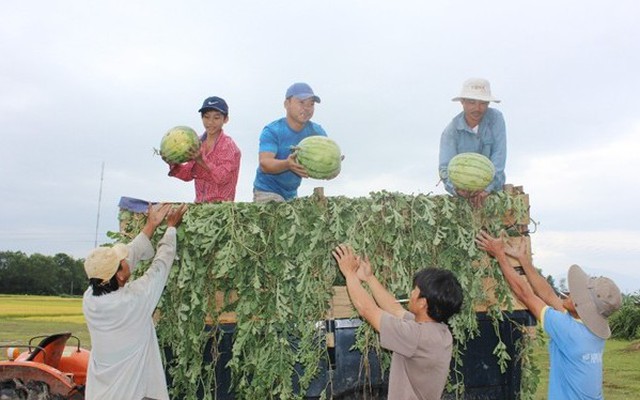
{"points": [[575, 357], [490, 141], [277, 138]]}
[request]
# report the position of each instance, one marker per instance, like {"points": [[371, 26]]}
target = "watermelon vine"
{"points": [[271, 265]]}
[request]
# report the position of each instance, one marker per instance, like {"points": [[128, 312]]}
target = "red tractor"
{"points": [[48, 370]]}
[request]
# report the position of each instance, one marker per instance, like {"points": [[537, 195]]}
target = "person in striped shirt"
{"points": [[216, 167]]}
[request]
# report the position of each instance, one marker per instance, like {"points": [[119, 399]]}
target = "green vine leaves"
{"points": [[270, 265]]}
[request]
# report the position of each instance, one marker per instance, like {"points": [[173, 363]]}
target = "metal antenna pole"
{"points": [[95, 244]]}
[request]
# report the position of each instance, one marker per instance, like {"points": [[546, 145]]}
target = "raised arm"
{"points": [[140, 247], [361, 300], [495, 248], [540, 285], [155, 216], [382, 296], [152, 283]]}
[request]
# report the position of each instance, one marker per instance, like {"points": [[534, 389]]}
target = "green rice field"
{"points": [[24, 317]]}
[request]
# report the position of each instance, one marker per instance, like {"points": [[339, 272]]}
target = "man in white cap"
{"points": [[279, 175], [477, 129], [577, 325], [125, 360]]}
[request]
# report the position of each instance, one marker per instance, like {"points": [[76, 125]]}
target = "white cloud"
{"points": [[612, 253], [591, 185], [102, 82]]}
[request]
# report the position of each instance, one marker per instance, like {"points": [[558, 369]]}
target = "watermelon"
{"points": [[470, 171], [179, 144], [320, 156]]}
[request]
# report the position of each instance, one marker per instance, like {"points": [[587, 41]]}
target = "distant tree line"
{"points": [[38, 274], [62, 275]]}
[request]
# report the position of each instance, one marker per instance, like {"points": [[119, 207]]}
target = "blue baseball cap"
{"points": [[215, 103], [302, 91]]}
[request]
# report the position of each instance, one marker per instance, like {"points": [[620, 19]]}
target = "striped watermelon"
{"points": [[320, 156], [470, 171], [179, 145]]}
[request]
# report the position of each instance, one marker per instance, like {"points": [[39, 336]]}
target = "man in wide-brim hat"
{"points": [[577, 324], [477, 129]]}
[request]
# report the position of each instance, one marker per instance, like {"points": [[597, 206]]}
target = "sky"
{"points": [[88, 89]]}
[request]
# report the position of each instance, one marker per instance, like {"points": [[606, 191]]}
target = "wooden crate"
{"points": [[340, 305], [517, 222], [228, 317], [489, 284]]}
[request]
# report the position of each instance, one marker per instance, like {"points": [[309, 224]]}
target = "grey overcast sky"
{"points": [[86, 83]]}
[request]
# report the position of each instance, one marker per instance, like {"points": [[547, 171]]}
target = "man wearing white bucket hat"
{"points": [[125, 361], [577, 325], [477, 129]]}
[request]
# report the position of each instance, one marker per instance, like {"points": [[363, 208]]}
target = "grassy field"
{"points": [[621, 370], [22, 317]]}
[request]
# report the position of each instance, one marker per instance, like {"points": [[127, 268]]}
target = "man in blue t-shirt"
{"points": [[477, 129], [577, 325], [279, 174]]}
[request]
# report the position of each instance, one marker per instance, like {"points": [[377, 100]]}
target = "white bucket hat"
{"points": [[595, 300], [102, 262], [476, 89]]}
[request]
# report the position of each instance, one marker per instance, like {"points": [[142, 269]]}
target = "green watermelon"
{"points": [[470, 171], [179, 145], [320, 156]]}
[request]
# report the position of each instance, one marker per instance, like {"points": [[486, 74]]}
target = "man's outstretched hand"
{"points": [[156, 213], [174, 217], [364, 271], [295, 167], [493, 246], [347, 260]]}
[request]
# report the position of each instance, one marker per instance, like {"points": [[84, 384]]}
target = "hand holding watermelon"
{"points": [[477, 198], [320, 156], [296, 167], [470, 174], [180, 144]]}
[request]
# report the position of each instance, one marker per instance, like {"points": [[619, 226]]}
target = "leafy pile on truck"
{"points": [[270, 264]]}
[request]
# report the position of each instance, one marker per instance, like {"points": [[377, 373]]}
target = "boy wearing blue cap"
{"points": [[216, 167], [279, 174]]}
